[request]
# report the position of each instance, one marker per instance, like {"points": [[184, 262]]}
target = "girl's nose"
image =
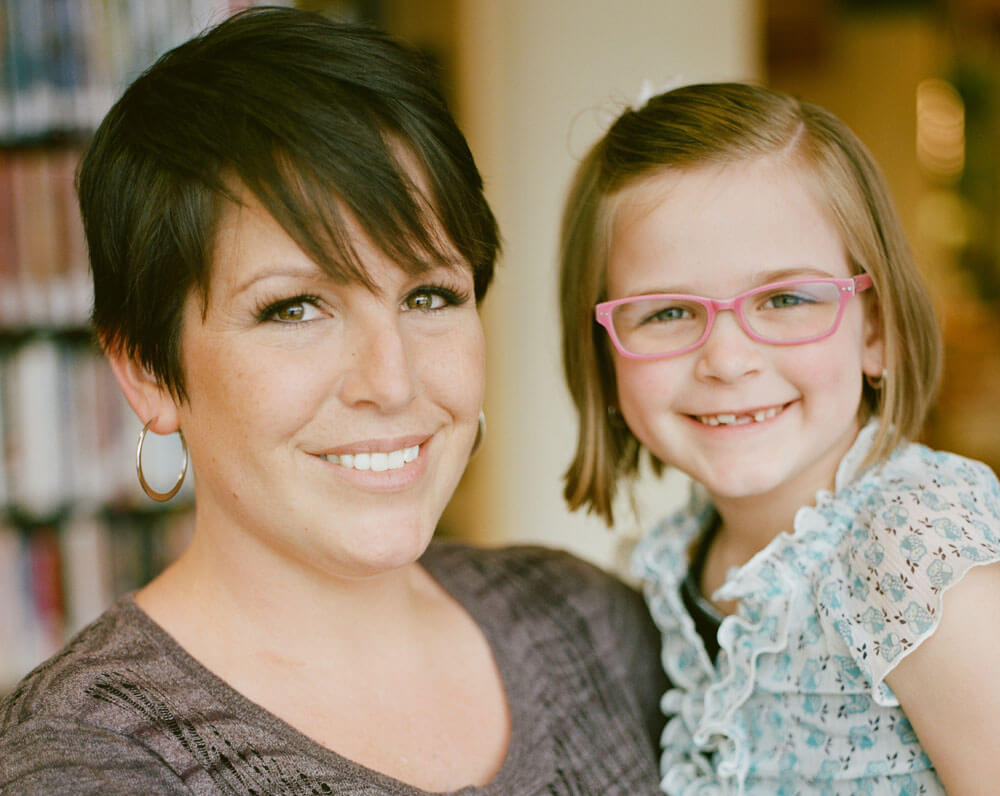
{"points": [[729, 353], [379, 372]]}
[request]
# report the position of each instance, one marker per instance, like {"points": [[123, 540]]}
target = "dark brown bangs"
{"points": [[398, 218]]}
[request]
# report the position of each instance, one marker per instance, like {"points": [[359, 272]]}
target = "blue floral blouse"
{"points": [[796, 700]]}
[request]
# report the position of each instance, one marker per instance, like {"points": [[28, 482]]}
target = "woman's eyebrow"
{"points": [[285, 270]]}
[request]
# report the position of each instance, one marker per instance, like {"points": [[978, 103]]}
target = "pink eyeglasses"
{"points": [[782, 313]]}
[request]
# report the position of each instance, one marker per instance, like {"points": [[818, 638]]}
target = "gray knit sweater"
{"points": [[124, 710]]}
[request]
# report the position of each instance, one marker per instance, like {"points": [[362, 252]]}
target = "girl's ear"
{"points": [[147, 397], [873, 354]]}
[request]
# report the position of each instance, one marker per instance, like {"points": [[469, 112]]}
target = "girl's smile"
{"points": [[740, 417], [748, 419]]}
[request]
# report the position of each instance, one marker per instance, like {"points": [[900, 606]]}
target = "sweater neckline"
{"points": [[510, 768]]}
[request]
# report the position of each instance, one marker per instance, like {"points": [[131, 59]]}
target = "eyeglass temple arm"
{"points": [[861, 282]]}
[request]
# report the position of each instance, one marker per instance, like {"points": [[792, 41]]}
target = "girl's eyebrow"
{"points": [[796, 272], [760, 278]]}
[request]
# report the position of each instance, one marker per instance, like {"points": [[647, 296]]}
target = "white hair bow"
{"points": [[648, 90]]}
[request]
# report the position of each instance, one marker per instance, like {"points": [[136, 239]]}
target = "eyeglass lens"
{"points": [[780, 314]]}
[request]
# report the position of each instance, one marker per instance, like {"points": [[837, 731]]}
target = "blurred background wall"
{"points": [[538, 82]]}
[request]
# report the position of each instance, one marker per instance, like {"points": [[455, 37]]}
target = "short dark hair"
{"points": [[317, 119]]}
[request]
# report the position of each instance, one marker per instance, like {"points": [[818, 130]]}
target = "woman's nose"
{"points": [[729, 353], [380, 371]]}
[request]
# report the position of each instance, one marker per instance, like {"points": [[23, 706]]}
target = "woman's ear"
{"points": [[148, 398]]}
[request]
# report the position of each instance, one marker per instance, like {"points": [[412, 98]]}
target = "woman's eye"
{"points": [[297, 310], [424, 301], [429, 299]]}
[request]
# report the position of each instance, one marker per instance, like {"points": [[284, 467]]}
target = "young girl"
{"points": [[738, 299]]}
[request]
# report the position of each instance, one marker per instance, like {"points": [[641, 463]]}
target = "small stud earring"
{"points": [[876, 382], [480, 433]]}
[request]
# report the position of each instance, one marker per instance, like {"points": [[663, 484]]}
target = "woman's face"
{"points": [[328, 424]]}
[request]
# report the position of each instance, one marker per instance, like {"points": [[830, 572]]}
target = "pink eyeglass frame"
{"points": [[848, 287]]}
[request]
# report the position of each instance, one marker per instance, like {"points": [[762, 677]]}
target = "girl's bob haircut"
{"points": [[720, 123]]}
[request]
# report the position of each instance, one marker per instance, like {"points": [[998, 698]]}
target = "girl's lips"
{"points": [[741, 418]]}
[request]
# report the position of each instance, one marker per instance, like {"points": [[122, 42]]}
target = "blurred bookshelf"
{"points": [[75, 529]]}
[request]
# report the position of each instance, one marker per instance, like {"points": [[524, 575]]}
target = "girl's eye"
{"points": [[295, 310], [667, 314], [428, 299], [783, 300]]}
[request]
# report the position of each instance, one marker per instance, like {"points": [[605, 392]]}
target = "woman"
{"points": [[289, 242]]}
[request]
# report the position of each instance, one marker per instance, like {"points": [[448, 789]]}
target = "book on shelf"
{"points": [[63, 62], [56, 578], [44, 277]]}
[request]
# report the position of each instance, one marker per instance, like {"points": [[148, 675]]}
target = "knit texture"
{"points": [[123, 709]]}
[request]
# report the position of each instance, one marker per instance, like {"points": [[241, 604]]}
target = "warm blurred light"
{"points": [[940, 128], [945, 218]]}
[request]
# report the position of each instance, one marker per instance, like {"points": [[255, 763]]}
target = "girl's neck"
{"points": [[748, 523]]}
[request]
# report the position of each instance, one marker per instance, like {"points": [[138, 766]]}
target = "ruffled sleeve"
{"points": [[922, 523]]}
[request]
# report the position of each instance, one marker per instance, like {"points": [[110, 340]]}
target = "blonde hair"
{"points": [[721, 123]]}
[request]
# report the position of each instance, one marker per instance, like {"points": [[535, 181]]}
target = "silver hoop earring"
{"points": [[159, 497], [480, 433]]}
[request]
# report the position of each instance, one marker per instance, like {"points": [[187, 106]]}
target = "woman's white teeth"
{"points": [[739, 420], [377, 461]]}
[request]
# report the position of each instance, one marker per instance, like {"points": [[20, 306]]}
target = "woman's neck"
{"points": [[264, 601]]}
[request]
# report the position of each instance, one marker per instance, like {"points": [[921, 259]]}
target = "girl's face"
{"points": [[749, 420], [328, 424]]}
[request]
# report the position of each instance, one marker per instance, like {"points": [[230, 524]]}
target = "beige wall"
{"points": [[538, 82]]}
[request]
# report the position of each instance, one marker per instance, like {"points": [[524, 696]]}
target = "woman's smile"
{"points": [[387, 465], [347, 409]]}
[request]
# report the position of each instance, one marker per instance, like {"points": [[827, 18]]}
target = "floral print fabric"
{"points": [[796, 701]]}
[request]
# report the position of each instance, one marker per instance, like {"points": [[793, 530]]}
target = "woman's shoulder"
{"points": [[55, 732], [63, 684], [521, 585], [521, 566]]}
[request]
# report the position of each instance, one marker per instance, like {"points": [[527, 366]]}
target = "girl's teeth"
{"points": [[727, 419], [376, 462]]}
